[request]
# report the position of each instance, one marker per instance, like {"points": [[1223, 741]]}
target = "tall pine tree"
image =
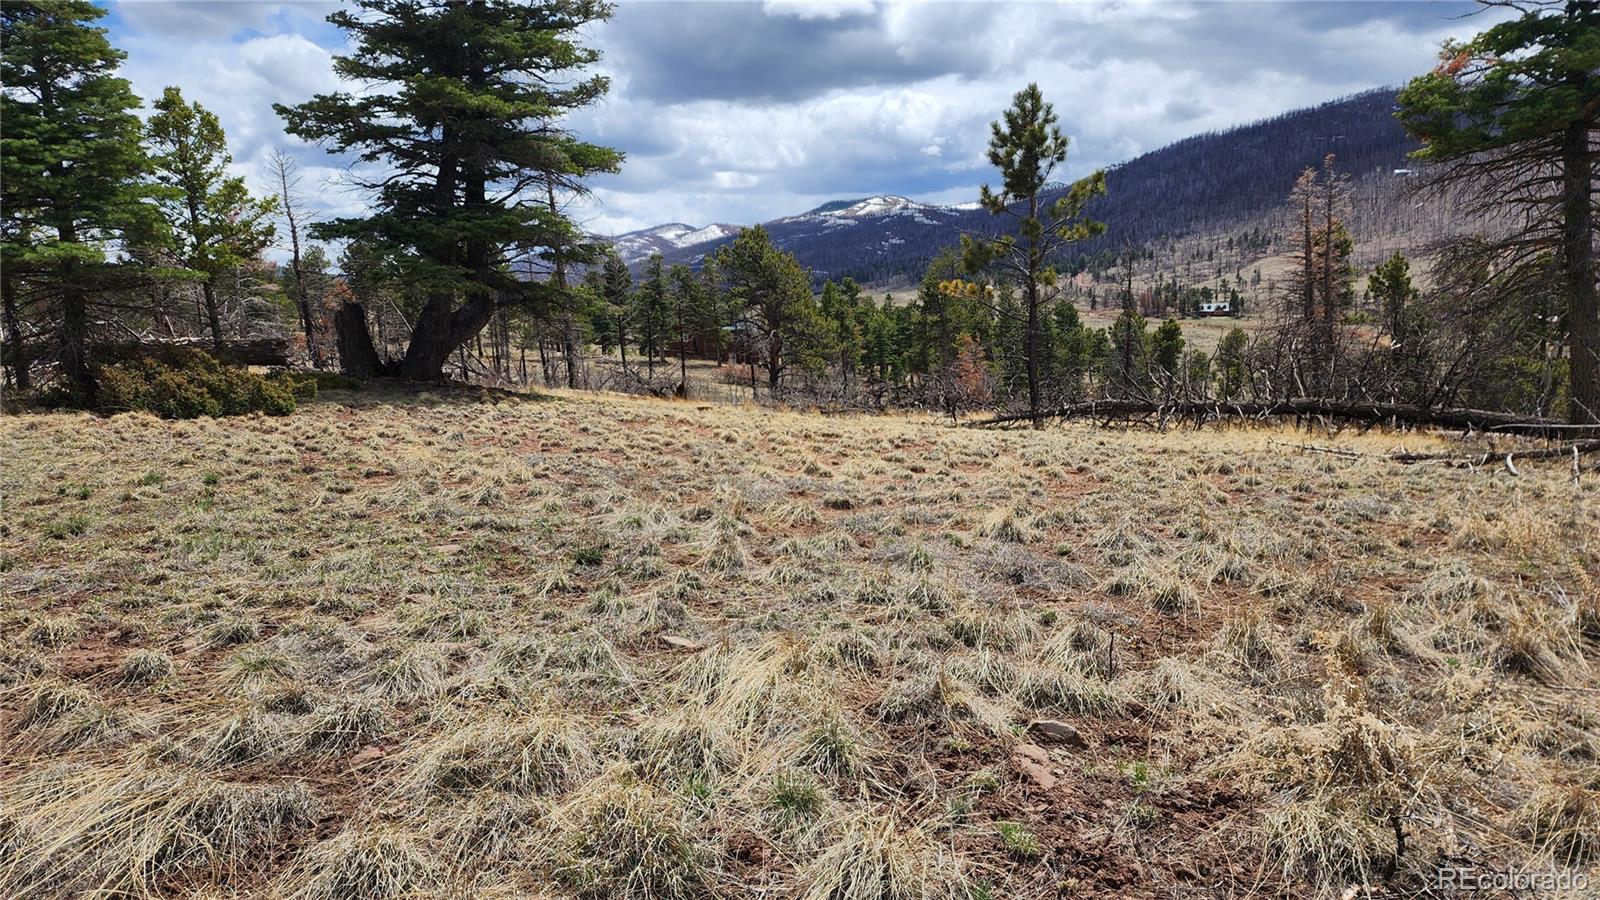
{"points": [[779, 320], [73, 175], [1510, 120], [217, 225], [462, 107], [1027, 150]]}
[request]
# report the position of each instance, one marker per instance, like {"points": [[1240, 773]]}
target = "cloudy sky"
{"points": [[745, 111]]}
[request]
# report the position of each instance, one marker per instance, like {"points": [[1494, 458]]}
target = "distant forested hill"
{"points": [[1207, 182]]}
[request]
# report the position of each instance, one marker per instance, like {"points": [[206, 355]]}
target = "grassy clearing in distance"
{"points": [[405, 644]]}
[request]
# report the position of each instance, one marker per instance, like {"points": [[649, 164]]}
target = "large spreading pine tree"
{"points": [[73, 179], [779, 320], [217, 225], [462, 110], [1511, 119], [1027, 149]]}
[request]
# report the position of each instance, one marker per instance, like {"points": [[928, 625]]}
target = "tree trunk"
{"points": [[357, 357], [683, 372], [1032, 345], [1578, 270], [774, 362], [1031, 294], [440, 329], [569, 352], [1328, 282], [75, 339], [213, 318], [261, 351], [286, 195], [74, 356], [16, 358]]}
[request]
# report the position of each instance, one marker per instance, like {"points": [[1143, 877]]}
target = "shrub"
{"points": [[300, 385], [188, 384]]}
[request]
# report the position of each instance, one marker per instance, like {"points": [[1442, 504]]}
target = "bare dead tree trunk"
{"points": [[284, 168], [357, 357]]}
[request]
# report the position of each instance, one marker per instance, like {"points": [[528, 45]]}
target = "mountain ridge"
{"points": [[1210, 180]]}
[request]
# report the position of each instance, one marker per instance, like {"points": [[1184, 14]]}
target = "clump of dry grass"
{"points": [[1176, 683], [1172, 594], [691, 743], [129, 830], [1536, 642], [1160, 585], [1346, 786], [53, 631], [1007, 525], [1562, 822], [1071, 672], [358, 864], [939, 697], [631, 841], [252, 668], [250, 735], [232, 630], [344, 724], [1251, 642], [986, 628], [50, 700], [724, 549], [145, 667], [93, 725], [883, 857], [410, 674]]}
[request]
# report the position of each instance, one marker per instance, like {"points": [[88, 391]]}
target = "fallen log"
{"points": [[1574, 450], [1451, 418], [265, 351]]}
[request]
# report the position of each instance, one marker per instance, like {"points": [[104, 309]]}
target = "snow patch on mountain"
{"points": [[639, 245]]}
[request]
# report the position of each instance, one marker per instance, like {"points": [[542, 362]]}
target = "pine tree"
{"points": [[651, 322], [841, 305], [1010, 347], [1166, 350], [217, 225], [368, 271], [717, 309], [690, 314], [1072, 348], [1232, 375], [879, 358], [944, 315], [1391, 289], [1510, 119], [72, 172], [1322, 276], [616, 292], [1129, 359], [1027, 150], [779, 319], [463, 104]]}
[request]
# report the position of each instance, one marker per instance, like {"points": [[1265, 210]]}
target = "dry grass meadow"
{"points": [[408, 645]]}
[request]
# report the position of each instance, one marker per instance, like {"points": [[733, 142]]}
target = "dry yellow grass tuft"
{"points": [[436, 644]]}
